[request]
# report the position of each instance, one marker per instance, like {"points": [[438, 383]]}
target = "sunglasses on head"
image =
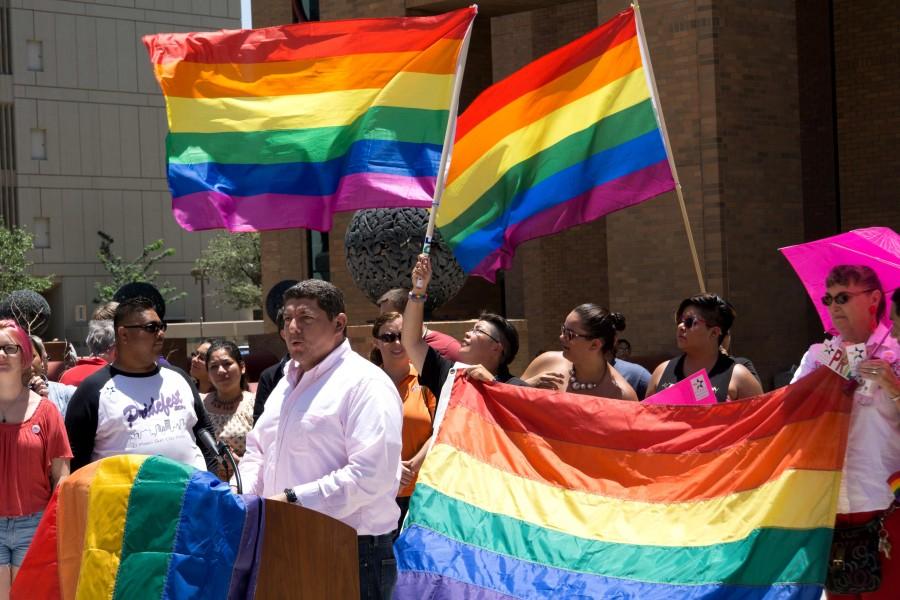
{"points": [[388, 338], [843, 297], [689, 322], [151, 327]]}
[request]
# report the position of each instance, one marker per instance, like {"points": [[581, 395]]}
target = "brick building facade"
{"points": [[782, 117]]}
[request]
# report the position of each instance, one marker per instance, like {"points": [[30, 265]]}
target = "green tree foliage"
{"points": [[128, 271], [15, 268], [234, 261]]}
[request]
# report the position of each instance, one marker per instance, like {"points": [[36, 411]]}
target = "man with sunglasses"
{"points": [[702, 323], [135, 405]]}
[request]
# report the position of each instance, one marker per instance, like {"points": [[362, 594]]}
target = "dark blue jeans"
{"points": [[377, 567]]}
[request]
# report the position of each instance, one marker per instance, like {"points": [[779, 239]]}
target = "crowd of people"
{"points": [[345, 435]]}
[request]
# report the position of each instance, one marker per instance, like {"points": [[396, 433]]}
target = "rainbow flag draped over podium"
{"points": [[281, 127], [137, 527], [534, 494]]}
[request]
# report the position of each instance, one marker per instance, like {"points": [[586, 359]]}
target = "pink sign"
{"points": [[695, 389]]}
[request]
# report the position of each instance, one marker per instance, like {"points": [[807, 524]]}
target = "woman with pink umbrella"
{"points": [[856, 304]]}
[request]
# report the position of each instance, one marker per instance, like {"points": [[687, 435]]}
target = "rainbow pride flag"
{"points": [[535, 494], [136, 527], [567, 139], [281, 127]]}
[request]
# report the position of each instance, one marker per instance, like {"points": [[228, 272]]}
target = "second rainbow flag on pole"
{"points": [[565, 140]]}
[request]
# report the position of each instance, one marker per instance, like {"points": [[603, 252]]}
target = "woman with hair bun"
{"points": [[701, 325], [587, 333]]}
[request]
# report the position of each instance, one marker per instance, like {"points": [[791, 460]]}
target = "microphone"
{"points": [[222, 452]]}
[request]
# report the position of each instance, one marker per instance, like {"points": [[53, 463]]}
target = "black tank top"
{"points": [[719, 377]]}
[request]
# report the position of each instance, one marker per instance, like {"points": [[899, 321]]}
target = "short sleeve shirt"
{"points": [[26, 452]]}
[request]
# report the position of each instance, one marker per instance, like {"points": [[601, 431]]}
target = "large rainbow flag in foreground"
{"points": [[136, 527], [281, 127], [534, 494], [567, 139]]}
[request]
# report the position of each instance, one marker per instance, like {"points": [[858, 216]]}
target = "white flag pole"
{"points": [[448, 137], [654, 96]]}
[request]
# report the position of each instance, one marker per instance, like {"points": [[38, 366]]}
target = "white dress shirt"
{"points": [[873, 446], [332, 434]]}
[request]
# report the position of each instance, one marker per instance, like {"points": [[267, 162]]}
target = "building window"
{"points": [[34, 53], [5, 39], [39, 144], [41, 229], [317, 251]]}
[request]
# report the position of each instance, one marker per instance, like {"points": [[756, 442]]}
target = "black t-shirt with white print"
{"points": [[159, 412]]}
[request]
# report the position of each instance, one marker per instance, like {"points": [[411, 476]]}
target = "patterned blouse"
{"points": [[231, 428]]}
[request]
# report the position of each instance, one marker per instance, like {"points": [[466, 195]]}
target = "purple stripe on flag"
{"points": [[611, 196], [213, 210], [246, 563], [412, 585]]}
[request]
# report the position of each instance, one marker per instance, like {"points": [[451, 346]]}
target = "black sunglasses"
{"points": [[843, 297], [151, 327], [689, 322], [388, 338]]}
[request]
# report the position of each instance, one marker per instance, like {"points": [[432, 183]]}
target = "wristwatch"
{"points": [[291, 495]]}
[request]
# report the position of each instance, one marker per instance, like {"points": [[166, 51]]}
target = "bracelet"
{"points": [[418, 297]]}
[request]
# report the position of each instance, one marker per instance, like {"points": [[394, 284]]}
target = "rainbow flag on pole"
{"points": [[281, 127], [567, 139], [129, 527], [535, 494]]}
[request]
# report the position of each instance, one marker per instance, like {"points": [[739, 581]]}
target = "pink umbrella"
{"points": [[875, 247]]}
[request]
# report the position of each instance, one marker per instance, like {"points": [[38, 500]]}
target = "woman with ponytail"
{"points": [[588, 332]]}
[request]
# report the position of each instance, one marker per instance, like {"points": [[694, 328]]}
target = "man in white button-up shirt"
{"points": [[329, 437]]}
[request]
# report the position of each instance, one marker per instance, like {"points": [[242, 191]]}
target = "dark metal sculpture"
{"points": [[27, 308], [382, 246]]}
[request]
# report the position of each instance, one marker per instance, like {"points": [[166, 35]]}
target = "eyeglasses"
{"points": [[571, 334], [843, 297], [11, 349], [153, 327], [388, 338], [477, 329], [689, 322]]}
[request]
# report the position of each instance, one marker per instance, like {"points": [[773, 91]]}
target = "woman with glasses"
{"points": [[34, 452], [585, 336], [198, 367], [856, 304], [419, 403], [230, 403], [487, 349], [702, 322]]}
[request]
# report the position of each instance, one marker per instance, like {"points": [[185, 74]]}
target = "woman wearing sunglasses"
{"points": [[702, 323], [419, 403], [34, 452], [588, 331], [198, 367], [856, 304]]}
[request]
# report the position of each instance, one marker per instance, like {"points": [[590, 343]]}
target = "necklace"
{"points": [[220, 404], [585, 385], [12, 405]]}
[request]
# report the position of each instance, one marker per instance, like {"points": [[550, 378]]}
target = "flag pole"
{"points": [[448, 137], [651, 82]]}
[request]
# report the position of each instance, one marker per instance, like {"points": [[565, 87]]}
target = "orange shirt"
{"points": [[419, 405]]}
